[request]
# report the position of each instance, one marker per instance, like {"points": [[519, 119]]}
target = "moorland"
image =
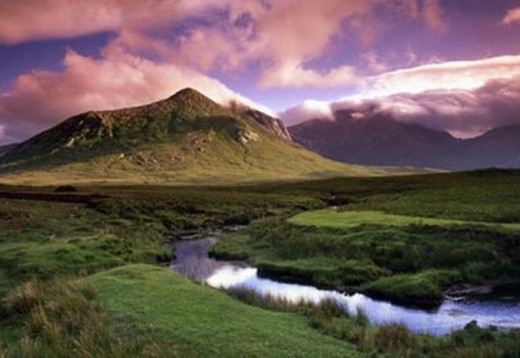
{"points": [[86, 271]]}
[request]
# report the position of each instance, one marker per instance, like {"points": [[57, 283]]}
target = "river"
{"points": [[499, 308]]}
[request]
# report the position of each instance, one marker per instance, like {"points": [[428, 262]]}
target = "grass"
{"points": [[391, 340], [375, 242], [44, 239], [41, 241], [351, 219], [414, 289], [63, 318], [395, 262], [208, 321]]}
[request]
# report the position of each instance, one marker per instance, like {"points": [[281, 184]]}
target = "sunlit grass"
{"points": [[206, 320], [350, 219]]}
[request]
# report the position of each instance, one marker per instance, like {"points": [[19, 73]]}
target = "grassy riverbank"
{"points": [[378, 243]]}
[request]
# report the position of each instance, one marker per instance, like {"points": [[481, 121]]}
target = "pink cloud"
{"points": [[432, 15], [512, 16], [294, 75], [285, 35], [43, 98], [282, 35], [26, 20], [33, 20]]}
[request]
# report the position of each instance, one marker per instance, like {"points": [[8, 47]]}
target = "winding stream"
{"points": [[500, 308]]}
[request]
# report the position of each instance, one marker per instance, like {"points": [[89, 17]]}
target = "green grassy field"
{"points": [[403, 246], [208, 321], [351, 219]]}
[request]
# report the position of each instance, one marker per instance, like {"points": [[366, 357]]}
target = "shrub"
{"points": [[393, 337]]}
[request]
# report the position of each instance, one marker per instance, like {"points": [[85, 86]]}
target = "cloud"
{"points": [[309, 109], [291, 33], [464, 98], [432, 15], [446, 75], [512, 16], [43, 98], [28, 20], [294, 75], [281, 37]]}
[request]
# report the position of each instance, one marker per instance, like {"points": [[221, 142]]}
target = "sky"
{"points": [[447, 64]]}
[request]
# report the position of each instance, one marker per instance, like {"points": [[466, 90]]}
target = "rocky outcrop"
{"points": [[273, 125]]}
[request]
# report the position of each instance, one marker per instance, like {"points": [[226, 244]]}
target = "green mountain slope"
{"points": [[184, 138]]}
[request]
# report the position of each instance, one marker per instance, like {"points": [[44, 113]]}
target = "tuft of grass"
{"points": [[22, 299], [269, 302], [66, 319], [394, 338]]}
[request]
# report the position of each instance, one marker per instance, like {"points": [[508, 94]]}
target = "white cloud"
{"points": [[307, 110], [465, 98], [446, 75]]}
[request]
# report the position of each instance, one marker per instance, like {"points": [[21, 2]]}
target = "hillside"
{"points": [[6, 148], [499, 147], [184, 138], [379, 139]]}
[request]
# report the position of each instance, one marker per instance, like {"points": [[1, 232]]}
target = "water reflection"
{"points": [[193, 262]]}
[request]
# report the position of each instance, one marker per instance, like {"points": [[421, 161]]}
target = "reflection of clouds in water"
{"points": [[229, 277], [450, 316]]}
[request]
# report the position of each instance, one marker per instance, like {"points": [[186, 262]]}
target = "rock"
{"points": [[245, 137]]}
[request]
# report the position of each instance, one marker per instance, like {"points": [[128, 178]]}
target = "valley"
{"points": [[110, 257], [259, 178]]}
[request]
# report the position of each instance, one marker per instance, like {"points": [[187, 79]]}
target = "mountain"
{"points": [[500, 147], [184, 138], [6, 148], [379, 139]]}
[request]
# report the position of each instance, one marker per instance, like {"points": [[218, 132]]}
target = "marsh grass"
{"points": [[404, 264], [269, 302], [394, 339], [63, 318]]}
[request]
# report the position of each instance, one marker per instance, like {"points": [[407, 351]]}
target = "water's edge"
{"points": [[493, 309]]}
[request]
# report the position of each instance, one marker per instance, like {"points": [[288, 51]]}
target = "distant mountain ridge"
{"points": [[379, 139], [186, 137]]}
